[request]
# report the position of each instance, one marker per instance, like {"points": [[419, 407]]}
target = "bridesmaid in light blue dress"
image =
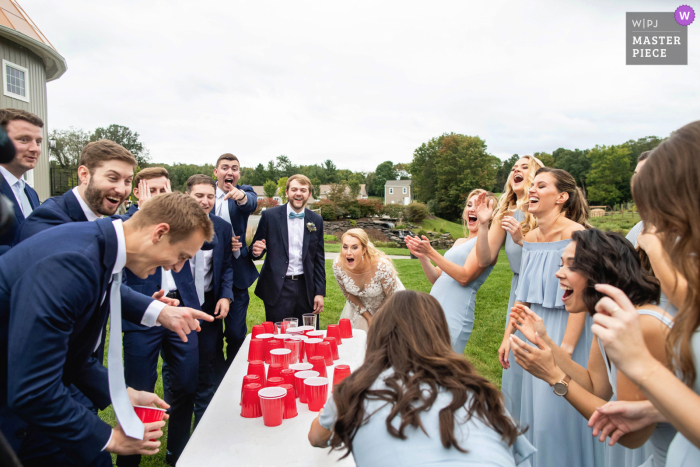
{"points": [[457, 277], [508, 221]]}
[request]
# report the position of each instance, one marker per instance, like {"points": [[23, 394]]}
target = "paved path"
{"points": [[335, 255]]}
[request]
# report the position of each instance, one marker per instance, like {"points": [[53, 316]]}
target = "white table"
{"points": [[224, 438]]}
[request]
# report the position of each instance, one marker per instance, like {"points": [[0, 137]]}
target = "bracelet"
{"points": [[641, 382]]}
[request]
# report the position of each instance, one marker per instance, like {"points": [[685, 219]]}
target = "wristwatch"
{"points": [[562, 387]]}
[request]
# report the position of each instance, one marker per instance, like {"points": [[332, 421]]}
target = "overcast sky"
{"points": [[359, 82]]}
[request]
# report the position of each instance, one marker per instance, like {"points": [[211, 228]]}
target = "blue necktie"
{"points": [[294, 215]]}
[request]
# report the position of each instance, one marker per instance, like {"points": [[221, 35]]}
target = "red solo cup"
{"points": [[333, 330], [255, 350], [250, 404], [272, 405], [302, 352], [295, 331], [323, 349], [273, 370], [266, 338], [275, 381], [301, 367], [340, 372], [281, 356], [269, 327], [299, 378], [307, 329], [248, 379], [150, 414], [256, 367], [319, 363], [316, 392], [294, 345], [310, 347], [334, 347], [345, 328], [317, 334], [258, 329], [290, 402], [288, 377], [273, 344]]}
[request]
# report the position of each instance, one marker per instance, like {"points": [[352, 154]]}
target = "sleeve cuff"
{"points": [[111, 433], [150, 317]]}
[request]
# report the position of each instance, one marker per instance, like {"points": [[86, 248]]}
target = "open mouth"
{"points": [[228, 181], [350, 260], [568, 291], [534, 201], [113, 201], [471, 218], [517, 178]]}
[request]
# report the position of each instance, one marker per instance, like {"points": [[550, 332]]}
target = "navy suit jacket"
{"points": [[244, 271], [65, 209], [221, 258], [273, 229], [54, 302], [7, 239]]}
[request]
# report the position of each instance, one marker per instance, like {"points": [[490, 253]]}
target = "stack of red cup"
{"points": [[275, 381], [257, 367], [316, 334], [290, 402], [299, 378], [273, 344], [323, 349], [266, 338], [257, 329], [319, 364], [272, 405], [249, 379], [310, 347], [340, 372], [255, 350], [250, 401], [273, 370], [334, 347], [316, 390], [345, 328], [288, 376], [269, 327], [333, 330], [281, 356]]}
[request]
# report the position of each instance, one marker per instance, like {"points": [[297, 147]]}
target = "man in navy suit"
{"points": [[234, 203], [142, 344], [25, 130], [293, 278], [213, 275], [55, 297]]}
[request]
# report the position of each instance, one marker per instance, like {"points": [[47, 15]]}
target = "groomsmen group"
{"points": [[173, 264]]}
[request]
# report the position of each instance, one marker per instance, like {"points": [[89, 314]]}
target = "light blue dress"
{"points": [[458, 301], [560, 434], [653, 452], [373, 446], [512, 380], [664, 304]]}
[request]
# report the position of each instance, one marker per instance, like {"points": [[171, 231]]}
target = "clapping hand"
{"points": [[511, 225], [538, 361], [528, 322], [419, 247], [484, 209], [617, 418]]}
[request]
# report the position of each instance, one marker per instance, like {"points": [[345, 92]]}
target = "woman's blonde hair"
{"points": [[509, 197], [372, 252], [476, 192]]}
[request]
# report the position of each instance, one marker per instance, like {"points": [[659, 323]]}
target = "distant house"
{"points": [[29, 61], [398, 192]]}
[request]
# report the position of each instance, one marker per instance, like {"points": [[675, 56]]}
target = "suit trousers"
{"points": [[211, 358], [293, 302], [235, 328], [141, 349]]}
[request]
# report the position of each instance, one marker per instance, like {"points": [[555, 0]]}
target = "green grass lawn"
{"points": [[490, 313]]}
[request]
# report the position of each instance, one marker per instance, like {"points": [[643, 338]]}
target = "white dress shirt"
{"points": [[220, 194], [295, 234], [208, 269], [17, 185]]}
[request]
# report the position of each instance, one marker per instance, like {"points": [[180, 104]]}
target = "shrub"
{"points": [[330, 238], [369, 207], [265, 203], [353, 223], [327, 210], [421, 232], [401, 226], [393, 210], [354, 212], [416, 212]]}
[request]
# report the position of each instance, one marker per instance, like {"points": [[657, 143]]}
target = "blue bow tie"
{"points": [[294, 215]]}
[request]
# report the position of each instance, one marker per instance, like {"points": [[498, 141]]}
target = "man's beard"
{"points": [[292, 200], [94, 197]]}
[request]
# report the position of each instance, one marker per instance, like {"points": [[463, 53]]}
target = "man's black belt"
{"points": [[294, 277]]}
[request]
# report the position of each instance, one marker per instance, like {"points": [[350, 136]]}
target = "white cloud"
{"points": [[358, 82]]}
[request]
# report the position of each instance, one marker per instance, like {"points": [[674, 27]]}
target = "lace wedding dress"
{"points": [[365, 292]]}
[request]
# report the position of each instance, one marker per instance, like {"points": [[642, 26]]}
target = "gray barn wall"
{"points": [[22, 56]]}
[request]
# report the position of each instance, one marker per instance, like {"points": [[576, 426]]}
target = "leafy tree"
{"points": [[270, 189], [422, 169], [284, 166], [330, 172], [609, 175], [316, 188], [402, 171], [576, 162], [355, 187], [384, 171], [503, 173], [68, 146], [344, 174], [124, 136], [282, 189], [179, 173], [546, 158]]}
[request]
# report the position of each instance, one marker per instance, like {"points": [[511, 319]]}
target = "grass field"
{"points": [[490, 314]]}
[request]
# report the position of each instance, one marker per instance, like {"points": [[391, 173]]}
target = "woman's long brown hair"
{"points": [[666, 194], [409, 334]]}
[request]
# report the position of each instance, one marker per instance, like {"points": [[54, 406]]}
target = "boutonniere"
{"points": [[311, 226]]}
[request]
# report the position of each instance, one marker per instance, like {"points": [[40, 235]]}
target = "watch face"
{"points": [[560, 389]]}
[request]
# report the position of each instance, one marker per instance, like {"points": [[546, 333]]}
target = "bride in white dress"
{"points": [[365, 276]]}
